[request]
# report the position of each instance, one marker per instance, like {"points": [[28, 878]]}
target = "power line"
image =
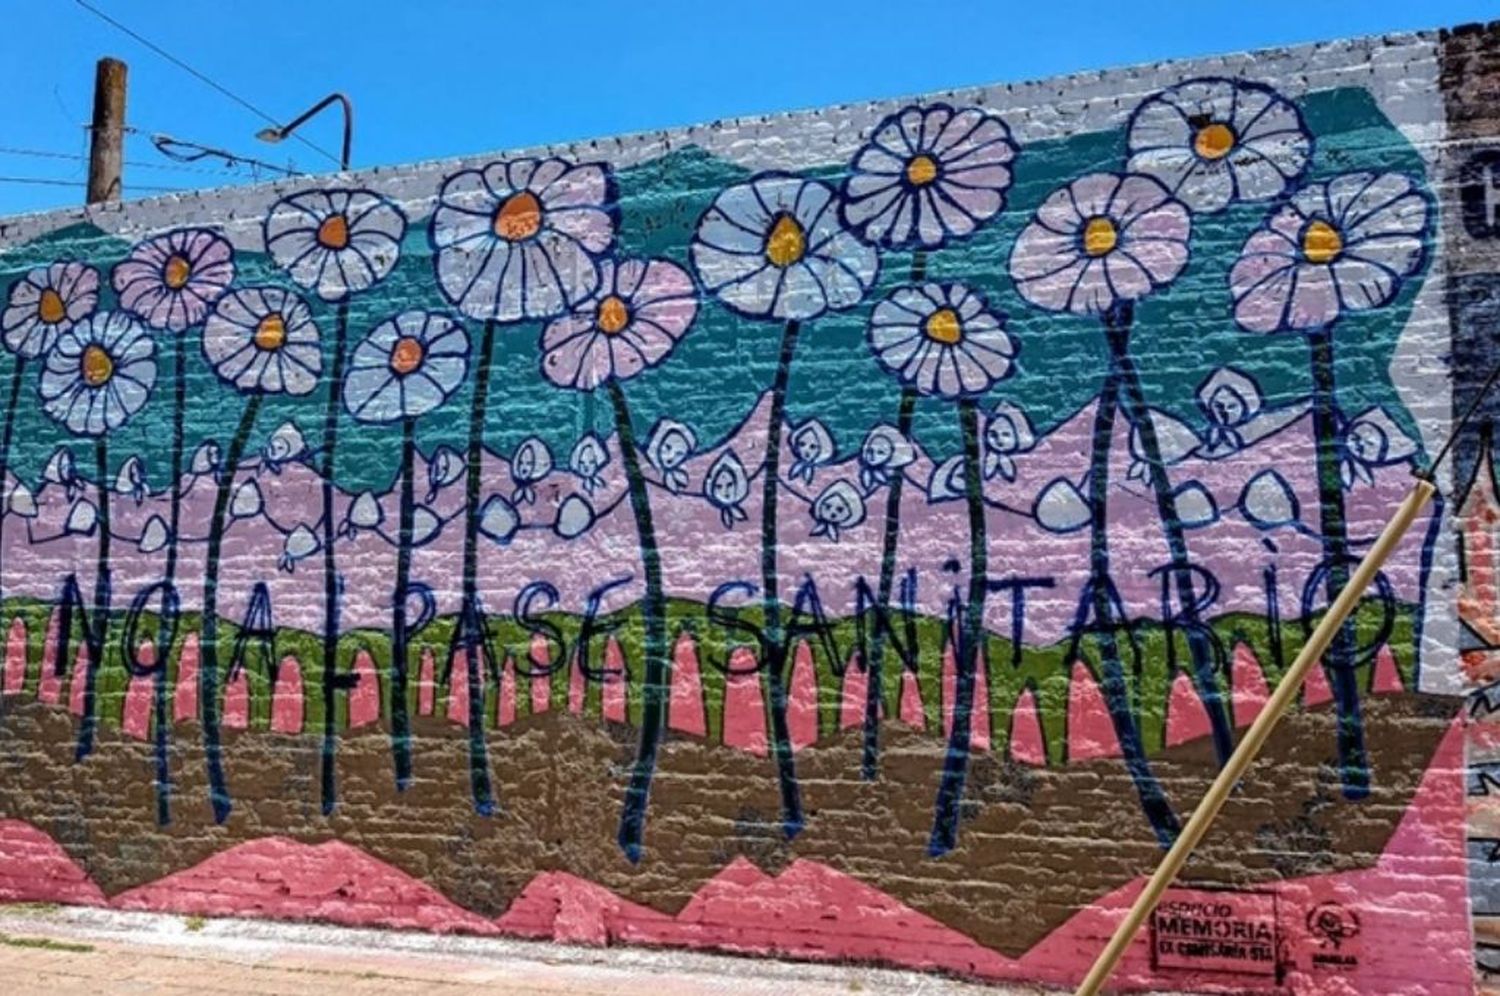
{"points": [[182, 151], [76, 157], [42, 181], [205, 79]]}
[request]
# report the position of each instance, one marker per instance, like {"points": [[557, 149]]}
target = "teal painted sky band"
{"points": [[1061, 359]]}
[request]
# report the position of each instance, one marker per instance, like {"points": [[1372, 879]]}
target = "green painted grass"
{"points": [[1011, 669]]}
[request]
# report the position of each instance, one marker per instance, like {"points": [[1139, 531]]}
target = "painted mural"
{"points": [[680, 551]]}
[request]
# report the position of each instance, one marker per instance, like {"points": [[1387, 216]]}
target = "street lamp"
{"points": [[274, 135]]}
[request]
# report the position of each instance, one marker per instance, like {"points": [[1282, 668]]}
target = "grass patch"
{"points": [[44, 943], [30, 909], [1152, 657]]}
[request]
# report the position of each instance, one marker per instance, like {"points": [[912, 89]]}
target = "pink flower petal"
{"points": [[1092, 194], [1260, 307], [1136, 196], [1315, 301]]}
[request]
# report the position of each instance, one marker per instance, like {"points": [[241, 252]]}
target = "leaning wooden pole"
{"points": [[1255, 738]]}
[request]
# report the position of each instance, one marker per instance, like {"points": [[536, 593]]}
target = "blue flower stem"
{"points": [[7, 432], [473, 635], [400, 638], [208, 671], [1354, 762], [1205, 672], [970, 633], [99, 622], [875, 667], [656, 685], [166, 625], [1098, 600], [331, 580], [869, 767], [774, 648]]}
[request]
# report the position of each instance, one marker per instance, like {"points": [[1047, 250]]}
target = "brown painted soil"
{"points": [[1036, 844]]}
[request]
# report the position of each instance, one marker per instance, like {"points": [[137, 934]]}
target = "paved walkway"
{"points": [[54, 950]]}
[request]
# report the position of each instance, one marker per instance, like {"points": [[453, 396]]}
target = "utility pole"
{"points": [[107, 135]]}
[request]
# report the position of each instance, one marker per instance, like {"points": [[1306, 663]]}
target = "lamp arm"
{"points": [[302, 118]]}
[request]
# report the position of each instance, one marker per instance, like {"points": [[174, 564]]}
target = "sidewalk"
{"points": [[73, 950]]}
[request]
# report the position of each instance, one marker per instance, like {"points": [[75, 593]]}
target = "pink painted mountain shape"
{"points": [[34, 869], [280, 878]]}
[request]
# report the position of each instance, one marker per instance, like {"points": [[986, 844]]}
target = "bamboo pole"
{"points": [[1255, 738]]}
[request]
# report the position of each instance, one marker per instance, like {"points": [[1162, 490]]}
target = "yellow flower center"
{"points": [[943, 326], [96, 366], [1321, 243], [1100, 236], [270, 332], [518, 217], [787, 242], [176, 271], [333, 233], [51, 308], [1214, 141], [613, 315], [406, 355], [921, 170]]}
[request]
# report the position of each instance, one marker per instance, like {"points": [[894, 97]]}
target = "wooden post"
{"points": [[107, 135], [1255, 737]]}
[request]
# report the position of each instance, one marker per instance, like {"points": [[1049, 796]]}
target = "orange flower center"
{"points": [[1100, 236], [787, 242], [921, 170], [96, 366], [943, 326], [176, 271], [51, 308], [1214, 141], [1321, 243], [270, 332], [333, 233], [406, 355], [519, 217], [613, 315]]}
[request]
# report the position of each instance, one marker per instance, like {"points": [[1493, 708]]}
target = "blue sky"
{"points": [[446, 77]]}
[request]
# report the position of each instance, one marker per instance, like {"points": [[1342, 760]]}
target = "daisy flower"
{"points": [[927, 175], [942, 339], [99, 373], [170, 282], [1344, 245], [518, 239], [263, 340], [643, 308], [1100, 240], [44, 302], [1212, 142], [335, 242], [406, 367], [773, 247]]}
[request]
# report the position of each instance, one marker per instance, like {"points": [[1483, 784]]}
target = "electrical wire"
{"points": [[200, 76], [76, 157], [183, 151], [42, 181]]}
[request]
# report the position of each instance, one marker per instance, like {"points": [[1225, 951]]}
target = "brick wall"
{"points": [[853, 534]]}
